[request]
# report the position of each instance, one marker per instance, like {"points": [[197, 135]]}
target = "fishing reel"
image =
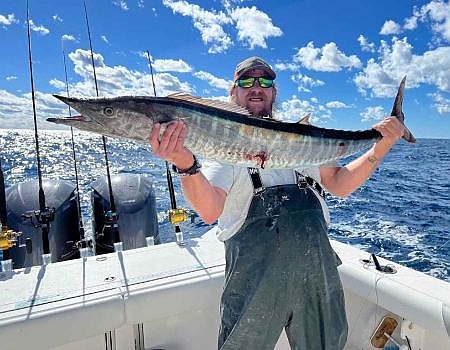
{"points": [[40, 218], [111, 225], [179, 215], [74, 247], [8, 238], [111, 221]]}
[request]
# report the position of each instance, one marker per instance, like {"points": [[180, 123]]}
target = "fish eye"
{"points": [[108, 111]]}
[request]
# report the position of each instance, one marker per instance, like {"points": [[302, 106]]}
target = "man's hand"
{"points": [[391, 129], [208, 201], [171, 144]]}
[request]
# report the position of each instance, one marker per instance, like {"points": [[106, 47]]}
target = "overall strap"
{"points": [[304, 181], [256, 180]]}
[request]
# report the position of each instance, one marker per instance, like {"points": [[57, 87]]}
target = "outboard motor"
{"points": [[135, 203], [64, 233]]}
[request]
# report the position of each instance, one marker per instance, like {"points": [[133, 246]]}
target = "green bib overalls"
{"points": [[281, 272]]}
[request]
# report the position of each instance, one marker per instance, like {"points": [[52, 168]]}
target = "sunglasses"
{"points": [[248, 82]]}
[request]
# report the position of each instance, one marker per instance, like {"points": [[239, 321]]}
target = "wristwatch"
{"points": [[194, 169]]}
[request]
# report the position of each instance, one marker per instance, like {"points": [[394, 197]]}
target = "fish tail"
{"points": [[398, 112]]}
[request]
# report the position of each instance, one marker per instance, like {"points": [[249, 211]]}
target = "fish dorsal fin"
{"points": [[227, 106], [305, 120]]}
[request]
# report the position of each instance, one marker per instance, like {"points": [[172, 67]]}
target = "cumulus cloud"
{"points": [[212, 80], [337, 105], [253, 26], [68, 37], [326, 59], [410, 23], [8, 20], [372, 114], [39, 28], [57, 18], [119, 80], [209, 23], [305, 82], [229, 3], [16, 110], [438, 13], [381, 76], [122, 4], [441, 103], [287, 66], [58, 84], [11, 77], [365, 45], [294, 109], [112, 81], [390, 27], [105, 39], [171, 65]]}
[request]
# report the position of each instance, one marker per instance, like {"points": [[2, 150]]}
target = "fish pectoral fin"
{"points": [[305, 120]]}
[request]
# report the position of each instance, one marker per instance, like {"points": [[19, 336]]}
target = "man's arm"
{"points": [[342, 181], [208, 201]]}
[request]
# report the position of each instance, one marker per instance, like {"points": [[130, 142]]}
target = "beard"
{"points": [[256, 109], [263, 111]]}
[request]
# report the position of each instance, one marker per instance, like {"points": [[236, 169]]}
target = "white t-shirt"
{"points": [[236, 182]]}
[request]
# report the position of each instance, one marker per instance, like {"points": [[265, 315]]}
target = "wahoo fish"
{"points": [[223, 131]]}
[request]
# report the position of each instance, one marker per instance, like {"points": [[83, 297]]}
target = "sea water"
{"points": [[401, 213]]}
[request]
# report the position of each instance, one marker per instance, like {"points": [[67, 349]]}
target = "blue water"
{"points": [[401, 213]]}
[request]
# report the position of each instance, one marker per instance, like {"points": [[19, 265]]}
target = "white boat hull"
{"points": [[167, 297]]}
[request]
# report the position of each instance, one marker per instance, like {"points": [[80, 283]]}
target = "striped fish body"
{"points": [[267, 143], [220, 131]]}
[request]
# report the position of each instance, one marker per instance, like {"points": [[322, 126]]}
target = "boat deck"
{"points": [[167, 296]]}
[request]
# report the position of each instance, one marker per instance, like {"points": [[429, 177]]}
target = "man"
{"points": [[280, 269]]}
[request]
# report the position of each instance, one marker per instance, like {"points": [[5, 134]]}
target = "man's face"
{"points": [[256, 99]]}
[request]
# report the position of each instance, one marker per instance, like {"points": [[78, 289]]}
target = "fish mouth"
{"points": [[76, 118]]}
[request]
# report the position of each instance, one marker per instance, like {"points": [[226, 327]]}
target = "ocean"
{"points": [[401, 213]]}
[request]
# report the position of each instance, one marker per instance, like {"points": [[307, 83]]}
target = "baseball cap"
{"points": [[253, 63]]}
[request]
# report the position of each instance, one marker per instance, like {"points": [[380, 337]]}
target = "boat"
{"points": [[150, 295], [124, 289]]}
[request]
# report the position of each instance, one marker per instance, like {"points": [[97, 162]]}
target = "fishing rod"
{"points": [[173, 202], [82, 241], [44, 216], [176, 215], [3, 212], [111, 216]]}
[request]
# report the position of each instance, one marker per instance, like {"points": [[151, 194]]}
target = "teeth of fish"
{"points": [[223, 131]]}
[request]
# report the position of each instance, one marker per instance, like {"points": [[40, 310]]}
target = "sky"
{"points": [[338, 61]]}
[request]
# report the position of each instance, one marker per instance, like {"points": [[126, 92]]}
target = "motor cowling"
{"points": [[22, 201], [135, 217]]}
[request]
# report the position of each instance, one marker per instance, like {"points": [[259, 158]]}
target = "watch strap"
{"points": [[194, 169]]}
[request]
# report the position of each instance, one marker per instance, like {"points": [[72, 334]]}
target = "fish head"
{"points": [[131, 117]]}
